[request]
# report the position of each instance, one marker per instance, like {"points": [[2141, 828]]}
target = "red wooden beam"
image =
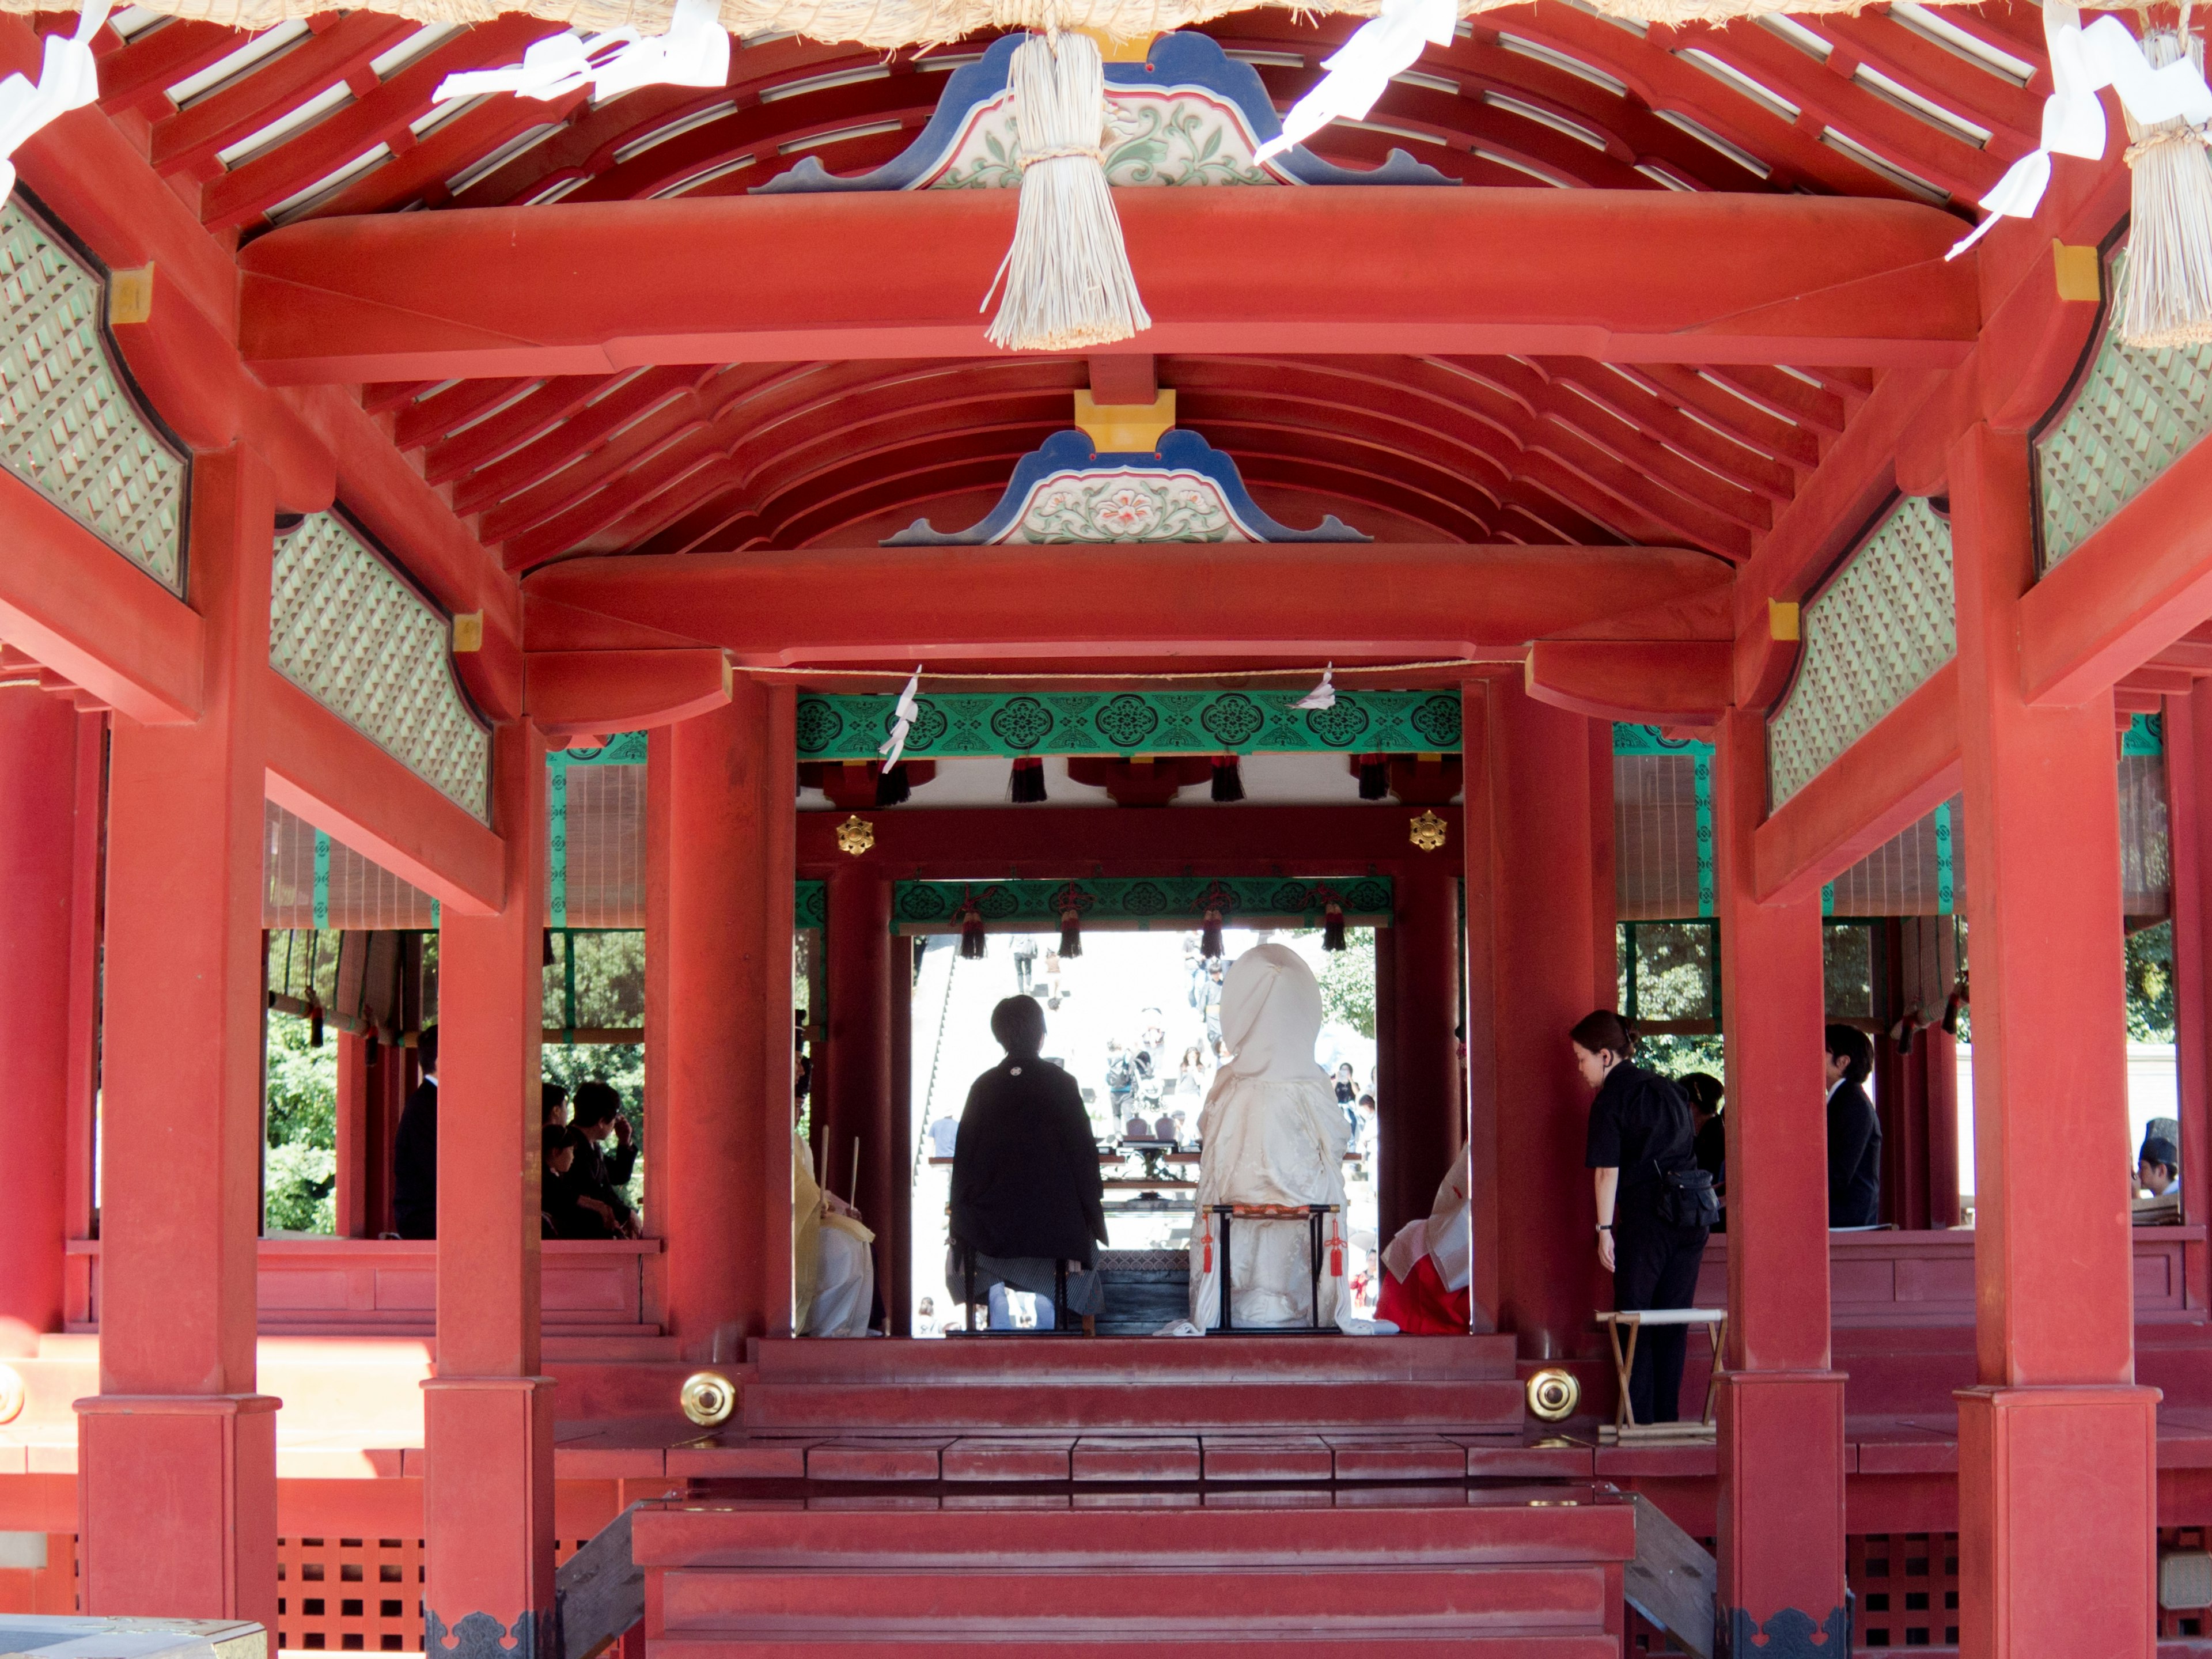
{"points": [[84, 610], [1684, 683], [2136, 586], [1121, 603], [588, 692], [1893, 775], [584, 288], [321, 770]]}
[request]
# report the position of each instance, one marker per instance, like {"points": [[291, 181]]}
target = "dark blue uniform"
{"points": [[1641, 1124]]}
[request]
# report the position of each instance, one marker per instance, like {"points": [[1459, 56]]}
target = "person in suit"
{"points": [[415, 1150], [1854, 1131]]}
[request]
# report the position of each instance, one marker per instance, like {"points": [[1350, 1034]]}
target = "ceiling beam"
{"points": [[1120, 603], [582, 288]]}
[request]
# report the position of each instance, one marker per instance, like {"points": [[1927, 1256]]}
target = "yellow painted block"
{"points": [[2080, 272], [1125, 428]]}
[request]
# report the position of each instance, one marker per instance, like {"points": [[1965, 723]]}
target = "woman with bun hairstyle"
{"points": [[1655, 1206]]}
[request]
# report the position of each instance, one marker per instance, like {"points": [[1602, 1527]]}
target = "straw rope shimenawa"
{"points": [[887, 23], [2166, 289]]}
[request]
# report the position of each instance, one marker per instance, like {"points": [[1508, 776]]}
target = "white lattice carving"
{"points": [[345, 628], [67, 426], [2134, 414], [1878, 630]]}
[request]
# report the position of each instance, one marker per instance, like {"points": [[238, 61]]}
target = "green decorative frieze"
{"points": [[68, 426], [350, 631], [810, 904], [1193, 722], [2135, 413], [1181, 902], [1874, 634]]}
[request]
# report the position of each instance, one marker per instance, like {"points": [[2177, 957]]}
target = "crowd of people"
{"points": [[588, 1153]]}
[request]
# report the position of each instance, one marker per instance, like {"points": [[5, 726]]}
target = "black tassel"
{"points": [[892, 789], [972, 945], [1332, 926], [1374, 785], [1228, 779], [1028, 783], [1071, 933], [1951, 1007], [1904, 1032], [1209, 941], [314, 1026]]}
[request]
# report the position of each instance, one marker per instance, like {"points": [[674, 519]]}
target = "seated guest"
{"points": [[2157, 1166], [605, 1175], [1026, 1193], [415, 1150], [1854, 1132], [566, 1210], [1430, 1265], [833, 1273], [1272, 1133], [553, 1101]]}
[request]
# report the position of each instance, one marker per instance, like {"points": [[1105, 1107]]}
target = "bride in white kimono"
{"points": [[1273, 1134]]}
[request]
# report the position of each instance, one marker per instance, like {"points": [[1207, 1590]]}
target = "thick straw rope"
{"points": [[2167, 293], [1068, 280], [888, 23]]}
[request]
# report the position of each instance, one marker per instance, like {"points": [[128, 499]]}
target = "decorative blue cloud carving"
{"points": [[1186, 62], [1066, 491]]}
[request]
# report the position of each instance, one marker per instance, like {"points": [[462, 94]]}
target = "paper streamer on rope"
{"points": [[1323, 695], [67, 80], [2082, 63], [693, 53], [1067, 276], [904, 713], [1360, 71]]}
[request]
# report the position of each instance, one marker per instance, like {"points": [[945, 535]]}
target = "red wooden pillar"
{"points": [[488, 1418], [2056, 1446], [732, 788], [2188, 771], [1477, 860], [1781, 1408], [658, 831], [1425, 1122], [1542, 983], [900, 1298], [38, 850], [356, 1083], [860, 1104], [177, 1414]]}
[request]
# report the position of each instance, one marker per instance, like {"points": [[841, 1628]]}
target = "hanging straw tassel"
{"points": [[1068, 280], [2167, 291]]}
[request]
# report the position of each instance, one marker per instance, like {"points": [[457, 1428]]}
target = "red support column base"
{"points": [[487, 1517], [1781, 1545], [185, 1488], [2058, 1521]]}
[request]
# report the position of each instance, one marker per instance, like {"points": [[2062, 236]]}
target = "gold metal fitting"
{"points": [[856, 835], [1554, 1394], [1428, 832], [708, 1398]]}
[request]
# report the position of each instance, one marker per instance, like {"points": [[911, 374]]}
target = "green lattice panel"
{"points": [[67, 427], [2134, 414], [1195, 722], [926, 907], [1879, 629], [345, 628]]}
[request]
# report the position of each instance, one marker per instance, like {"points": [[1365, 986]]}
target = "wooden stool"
{"points": [[1624, 1430]]}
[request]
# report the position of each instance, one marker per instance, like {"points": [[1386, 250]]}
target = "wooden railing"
{"points": [[389, 1287]]}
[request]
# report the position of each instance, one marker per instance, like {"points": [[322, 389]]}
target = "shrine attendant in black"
{"points": [[1640, 1129]]}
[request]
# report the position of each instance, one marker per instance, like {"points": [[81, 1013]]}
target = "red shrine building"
{"points": [[471, 487]]}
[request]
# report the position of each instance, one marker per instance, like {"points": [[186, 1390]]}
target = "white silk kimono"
{"points": [[833, 1273], [1273, 1134]]}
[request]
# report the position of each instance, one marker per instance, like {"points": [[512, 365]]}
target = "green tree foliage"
{"points": [[300, 1179], [1347, 982], [2151, 984], [610, 975]]}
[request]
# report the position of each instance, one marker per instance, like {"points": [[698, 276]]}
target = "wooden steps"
{"points": [[1132, 1385], [1532, 1572]]}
